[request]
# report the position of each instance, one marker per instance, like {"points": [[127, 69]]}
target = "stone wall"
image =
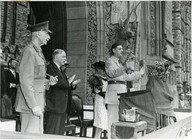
{"points": [[90, 34], [182, 41], [14, 34], [77, 44]]}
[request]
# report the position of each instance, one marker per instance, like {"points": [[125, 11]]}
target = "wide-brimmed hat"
{"points": [[98, 65]]}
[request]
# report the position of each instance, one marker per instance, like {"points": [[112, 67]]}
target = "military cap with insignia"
{"points": [[43, 26]]}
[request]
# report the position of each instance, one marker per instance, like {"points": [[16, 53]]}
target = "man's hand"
{"points": [[37, 111], [74, 83], [71, 78], [130, 65], [47, 86], [12, 85], [53, 80]]}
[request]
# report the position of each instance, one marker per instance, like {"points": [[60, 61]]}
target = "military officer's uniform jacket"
{"points": [[32, 72], [116, 72]]}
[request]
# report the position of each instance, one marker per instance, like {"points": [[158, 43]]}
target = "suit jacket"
{"points": [[3, 81], [3, 89], [31, 92], [11, 92], [57, 96], [116, 72]]}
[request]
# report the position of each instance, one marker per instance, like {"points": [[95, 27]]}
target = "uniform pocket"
{"points": [[39, 86], [42, 70], [39, 67], [39, 71]]}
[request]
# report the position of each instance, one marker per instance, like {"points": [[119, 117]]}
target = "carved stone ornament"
{"points": [[92, 44]]}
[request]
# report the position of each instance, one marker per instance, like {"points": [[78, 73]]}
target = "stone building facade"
{"points": [[13, 25], [182, 42], [87, 29]]}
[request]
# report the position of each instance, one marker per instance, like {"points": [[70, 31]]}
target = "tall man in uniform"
{"points": [[30, 101], [117, 77]]}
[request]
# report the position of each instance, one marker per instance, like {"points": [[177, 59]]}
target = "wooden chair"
{"points": [[70, 127], [77, 113]]}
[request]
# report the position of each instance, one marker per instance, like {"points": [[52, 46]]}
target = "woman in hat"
{"points": [[98, 83]]}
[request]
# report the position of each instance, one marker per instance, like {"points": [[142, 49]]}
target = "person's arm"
{"points": [[61, 83], [73, 87], [26, 77], [135, 75], [113, 72], [74, 84]]}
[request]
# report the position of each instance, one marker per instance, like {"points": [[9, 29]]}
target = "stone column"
{"points": [[182, 41], [177, 40], [77, 42]]}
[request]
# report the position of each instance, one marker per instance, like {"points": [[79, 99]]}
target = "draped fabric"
{"points": [[121, 132], [150, 104], [145, 107], [162, 95]]}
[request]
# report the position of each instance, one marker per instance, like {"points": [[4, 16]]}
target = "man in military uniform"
{"points": [[30, 101], [117, 77]]}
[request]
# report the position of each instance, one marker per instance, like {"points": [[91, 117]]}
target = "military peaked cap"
{"points": [[43, 26]]}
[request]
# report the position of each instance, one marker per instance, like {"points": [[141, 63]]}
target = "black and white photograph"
{"points": [[95, 69]]}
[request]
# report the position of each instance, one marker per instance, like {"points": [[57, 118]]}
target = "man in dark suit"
{"points": [[73, 83], [57, 96], [12, 80], [3, 80], [3, 92]]}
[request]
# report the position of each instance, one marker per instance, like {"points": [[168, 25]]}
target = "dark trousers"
{"points": [[55, 123]]}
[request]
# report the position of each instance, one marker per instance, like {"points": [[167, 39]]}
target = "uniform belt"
{"points": [[117, 82]]}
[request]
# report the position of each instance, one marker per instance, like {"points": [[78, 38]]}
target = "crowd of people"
{"points": [[38, 88]]}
